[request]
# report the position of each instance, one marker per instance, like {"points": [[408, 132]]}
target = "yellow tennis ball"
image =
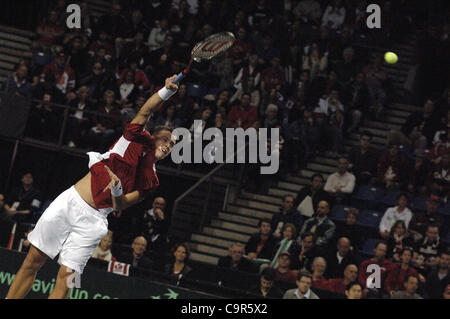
{"points": [[390, 57]]}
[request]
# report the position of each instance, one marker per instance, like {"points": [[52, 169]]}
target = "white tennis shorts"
{"points": [[71, 228]]}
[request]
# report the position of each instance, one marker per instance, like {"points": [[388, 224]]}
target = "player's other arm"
{"points": [[120, 201], [155, 100]]}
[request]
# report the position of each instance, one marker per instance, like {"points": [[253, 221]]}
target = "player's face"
{"points": [[164, 144]]}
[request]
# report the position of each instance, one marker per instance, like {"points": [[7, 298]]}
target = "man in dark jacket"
{"points": [[136, 257], [286, 215], [438, 278], [236, 259], [315, 191], [262, 244], [321, 226], [339, 259], [363, 159]]}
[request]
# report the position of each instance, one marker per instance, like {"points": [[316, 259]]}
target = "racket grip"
{"points": [[179, 77]]}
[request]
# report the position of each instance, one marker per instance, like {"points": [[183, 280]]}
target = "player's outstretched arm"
{"points": [[155, 100]]}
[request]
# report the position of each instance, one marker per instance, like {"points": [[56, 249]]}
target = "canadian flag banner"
{"points": [[119, 268]]}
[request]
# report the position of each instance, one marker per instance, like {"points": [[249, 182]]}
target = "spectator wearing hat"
{"points": [[392, 214], [438, 278], [392, 168], [236, 260], [420, 221], [339, 285], [399, 272], [410, 284], [283, 271], [303, 291]]}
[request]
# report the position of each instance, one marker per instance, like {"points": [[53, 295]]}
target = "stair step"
{"points": [[203, 258], [321, 168], [406, 107], [381, 125], [6, 65], [205, 239], [15, 45], [325, 160], [15, 38], [289, 186], [225, 234], [263, 198], [258, 205], [239, 219], [376, 132], [11, 52], [233, 226], [281, 192], [202, 248], [249, 212], [11, 30], [10, 59], [375, 139], [397, 113], [309, 173]]}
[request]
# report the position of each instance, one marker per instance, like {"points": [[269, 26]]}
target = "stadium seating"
{"points": [[367, 197]]}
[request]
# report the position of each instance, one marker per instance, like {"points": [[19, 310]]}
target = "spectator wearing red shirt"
{"points": [[243, 115], [378, 259], [273, 76], [61, 71], [50, 30], [318, 267], [339, 285], [140, 79], [102, 43], [392, 167], [399, 272], [283, 272], [241, 48]]}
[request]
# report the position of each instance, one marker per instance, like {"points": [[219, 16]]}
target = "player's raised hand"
{"points": [[170, 85], [114, 179]]}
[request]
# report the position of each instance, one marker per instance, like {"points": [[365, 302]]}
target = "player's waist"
{"points": [[101, 212]]}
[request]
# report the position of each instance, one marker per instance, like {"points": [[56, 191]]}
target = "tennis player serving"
{"points": [[76, 221]]}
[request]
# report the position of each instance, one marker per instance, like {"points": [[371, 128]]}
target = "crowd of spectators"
{"points": [[297, 66]]}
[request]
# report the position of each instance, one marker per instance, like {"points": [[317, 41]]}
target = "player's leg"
{"points": [[24, 278], [63, 283]]}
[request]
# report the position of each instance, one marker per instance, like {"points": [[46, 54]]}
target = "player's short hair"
{"points": [[160, 128]]}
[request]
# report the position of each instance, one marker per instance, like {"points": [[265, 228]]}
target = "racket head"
{"points": [[212, 46]]}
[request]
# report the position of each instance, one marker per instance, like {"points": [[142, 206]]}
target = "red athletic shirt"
{"points": [[132, 159]]}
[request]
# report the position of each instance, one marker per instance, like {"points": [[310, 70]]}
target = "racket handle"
{"points": [[179, 77]]}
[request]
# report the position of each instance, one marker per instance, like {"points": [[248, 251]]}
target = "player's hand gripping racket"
{"points": [[207, 49]]}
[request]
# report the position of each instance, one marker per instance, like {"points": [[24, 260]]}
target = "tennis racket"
{"points": [[208, 49]]}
